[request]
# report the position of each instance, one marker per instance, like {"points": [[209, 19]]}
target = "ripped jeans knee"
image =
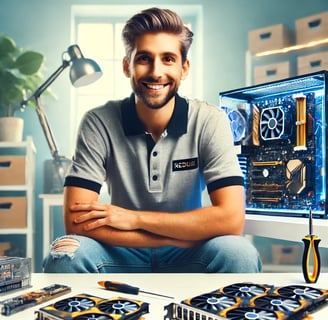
{"points": [[72, 254], [65, 245]]}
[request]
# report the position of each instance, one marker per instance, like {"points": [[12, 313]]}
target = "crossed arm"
{"points": [[114, 225]]}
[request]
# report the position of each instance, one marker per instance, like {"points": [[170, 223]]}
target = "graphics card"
{"points": [[246, 301], [89, 307], [32, 298]]}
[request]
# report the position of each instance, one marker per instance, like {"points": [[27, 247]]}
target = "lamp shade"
{"points": [[83, 71]]}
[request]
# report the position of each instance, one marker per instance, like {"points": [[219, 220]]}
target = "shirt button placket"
{"points": [[155, 178]]}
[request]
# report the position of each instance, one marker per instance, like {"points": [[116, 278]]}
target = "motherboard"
{"points": [[280, 129]]}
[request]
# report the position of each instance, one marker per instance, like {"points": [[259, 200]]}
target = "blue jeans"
{"points": [[221, 254]]}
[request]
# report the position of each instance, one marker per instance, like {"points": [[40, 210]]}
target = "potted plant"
{"points": [[19, 75]]}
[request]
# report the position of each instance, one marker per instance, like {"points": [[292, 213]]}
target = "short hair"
{"points": [[154, 20]]}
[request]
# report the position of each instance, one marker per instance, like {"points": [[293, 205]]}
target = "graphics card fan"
{"points": [[74, 304], [93, 316], [211, 302], [119, 306], [248, 313], [301, 292], [272, 123], [237, 124], [278, 303], [244, 290]]}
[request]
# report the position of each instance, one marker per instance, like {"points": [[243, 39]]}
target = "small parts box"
{"points": [[271, 72], [12, 170], [269, 38], [312, 63], [13, 212], [4, 246], [312, 28], [286, 254]]}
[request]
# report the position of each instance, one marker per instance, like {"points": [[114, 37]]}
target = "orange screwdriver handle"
{"points": [[311, 248], [119, 287]]}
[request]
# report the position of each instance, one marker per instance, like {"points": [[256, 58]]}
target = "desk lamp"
{"points": [[83, 72]]}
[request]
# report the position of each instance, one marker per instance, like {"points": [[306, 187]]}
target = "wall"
{"points": [[44, 25]]}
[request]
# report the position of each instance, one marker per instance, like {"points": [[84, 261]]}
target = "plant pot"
{"points": [[11, 129]]}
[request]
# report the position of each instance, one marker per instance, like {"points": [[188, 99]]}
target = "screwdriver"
{"points": [[126, 288], [311, 249]]}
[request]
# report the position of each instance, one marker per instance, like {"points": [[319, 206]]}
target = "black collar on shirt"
{"points": [[133, 126]]}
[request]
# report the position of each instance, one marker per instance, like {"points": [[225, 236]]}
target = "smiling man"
{"points": [[157, 152]]}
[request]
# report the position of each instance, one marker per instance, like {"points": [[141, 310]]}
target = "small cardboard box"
{"points": [[270, 38], [286, 254], [271, 72], [4, 246], [312, 28], [312, 62], [13, 212], [12, 170]]}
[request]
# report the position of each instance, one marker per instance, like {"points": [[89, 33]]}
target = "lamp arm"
{"points": [[44, 86], [46, 129], [41, 114]]}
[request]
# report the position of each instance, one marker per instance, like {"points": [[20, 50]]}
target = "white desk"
{"points": [[180, 286], [286, 228], [49, 200]]}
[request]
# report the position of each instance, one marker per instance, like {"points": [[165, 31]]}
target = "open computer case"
{"points": [[280, 132]]}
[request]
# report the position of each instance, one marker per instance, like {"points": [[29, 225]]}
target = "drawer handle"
{"points": [[315, 64], [265, 36], [315, 23], [5, 164], [5, 205], [271, 73]]}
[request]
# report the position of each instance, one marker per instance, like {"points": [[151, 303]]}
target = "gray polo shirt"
{"points": [[196, 150]]}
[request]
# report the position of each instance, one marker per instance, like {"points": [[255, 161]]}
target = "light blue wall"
{"points": [[44, 25]]}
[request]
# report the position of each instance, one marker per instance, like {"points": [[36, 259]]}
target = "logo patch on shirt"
{"points": [[185, 164]]}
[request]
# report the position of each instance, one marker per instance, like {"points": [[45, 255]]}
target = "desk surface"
{"points": [[180, 286]]}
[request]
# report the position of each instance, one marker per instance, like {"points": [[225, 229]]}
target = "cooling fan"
{"points": [[272, 123], [93, 316], [119, 306], [89, 307], [244, 290], [250, 313], [211, 302], [238, 125], [74, 304], [303, 293], [278, 303]]}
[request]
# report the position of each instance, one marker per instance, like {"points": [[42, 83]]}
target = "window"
{"points": [[97, 30]]}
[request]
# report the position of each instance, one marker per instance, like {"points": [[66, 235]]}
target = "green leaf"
{"points": [[29, 62], [7, 46]]}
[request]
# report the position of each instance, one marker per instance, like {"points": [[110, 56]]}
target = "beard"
{"points": [[153, 100]]}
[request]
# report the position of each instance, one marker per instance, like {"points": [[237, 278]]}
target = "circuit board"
{"points": [[15, 273], [32, 298], [280, 129]]}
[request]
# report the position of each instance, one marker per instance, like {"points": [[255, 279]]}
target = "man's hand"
{"points": [[101, 214]]}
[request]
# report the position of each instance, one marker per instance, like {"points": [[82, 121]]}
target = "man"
{"points": [[157, 151]]}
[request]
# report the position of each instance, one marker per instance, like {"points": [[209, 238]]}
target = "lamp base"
{"points": [[54, 175]]}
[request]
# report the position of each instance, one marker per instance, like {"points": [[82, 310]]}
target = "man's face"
{"points": [[156, 69]]}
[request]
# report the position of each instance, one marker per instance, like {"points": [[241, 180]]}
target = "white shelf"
{"points": [[29, 151], [23, 187], [249, 57]]}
